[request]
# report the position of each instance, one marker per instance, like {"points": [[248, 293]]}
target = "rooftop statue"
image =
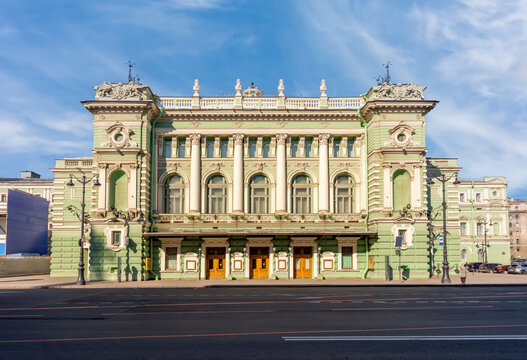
{"points": [[120, 91], [408, 91]]}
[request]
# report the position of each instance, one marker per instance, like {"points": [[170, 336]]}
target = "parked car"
{"points": [[501, 269], [487, 267], [472, 267], [518, 269]]}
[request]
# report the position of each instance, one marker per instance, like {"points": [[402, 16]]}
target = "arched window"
{"points": [[401, 189], [496, 229], [174, 195], [301, 190], [259, 195], [217, 195], [118, 191], [343, 194]]}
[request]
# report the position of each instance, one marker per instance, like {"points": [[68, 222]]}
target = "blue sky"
{"points": [[469, 53]]}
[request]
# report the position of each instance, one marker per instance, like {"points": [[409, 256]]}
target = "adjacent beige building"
{"points": [[518, 227]]}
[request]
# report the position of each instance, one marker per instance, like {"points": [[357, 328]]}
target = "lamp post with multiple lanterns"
{"points": [[83, 180], [444, 179]]}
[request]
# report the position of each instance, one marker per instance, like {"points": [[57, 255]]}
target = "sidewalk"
{"points": [[47, 282]]}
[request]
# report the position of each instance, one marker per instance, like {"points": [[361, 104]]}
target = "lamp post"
{"points": [[485, 241], [83, 180], [443, 179]]}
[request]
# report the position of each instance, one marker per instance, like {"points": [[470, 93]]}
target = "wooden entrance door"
{"points": [[215, 263], [259, 258], [303, 262]]}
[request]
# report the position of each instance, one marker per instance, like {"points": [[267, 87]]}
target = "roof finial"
{"points": [[281, 87], [196, 87], [238, 87], [323, 88]]}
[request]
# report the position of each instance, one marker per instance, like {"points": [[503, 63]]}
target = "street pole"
{"points": [[446, 277], [83, 181], [80, 276]]}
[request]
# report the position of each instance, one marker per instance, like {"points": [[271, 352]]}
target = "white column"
{"points": [[132, 187], [387, 186], [238, 174], [361, 146], [323, 178], [417, 187], [281, 175], [102, 188], [195, 173]]}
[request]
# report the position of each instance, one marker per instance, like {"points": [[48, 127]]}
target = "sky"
{"points": [[470, 54]]}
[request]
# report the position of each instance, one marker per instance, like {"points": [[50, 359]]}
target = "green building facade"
{"points": [[255, 186]]}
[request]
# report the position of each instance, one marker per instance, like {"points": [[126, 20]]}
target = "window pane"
{"points": [[349, 149], [252, 147], [167, 152], [336, 147], [223, 147], [294, 147], [308, 146], [210, 147], [266, 147], [181, 147]]}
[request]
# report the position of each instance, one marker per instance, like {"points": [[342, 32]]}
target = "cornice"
{"points": [[396, 106], [128, 107], [260, 115]]}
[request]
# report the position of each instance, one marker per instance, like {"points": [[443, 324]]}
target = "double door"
{"points": [[303, 262], [259, 259], [215, 263]]}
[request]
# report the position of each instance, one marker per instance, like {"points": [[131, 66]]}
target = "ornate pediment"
{"points": [[119, 91], [387, 91], [118, 136], [401, 136]]}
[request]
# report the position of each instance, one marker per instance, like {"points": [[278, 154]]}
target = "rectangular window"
{"points": [[116, 238], [171, 258], [224, 144], [252, 147], [510, 224], [210, 147], [517, 241], [516, 216], [336, 147], [167, 147], [349, 148], [463, 228], [4, 197], [308, 146], [517, 224], [347, 257], [181, 147], [479, 229], [517, 233], [462, 197], [294, 147], [402, 232], [266, 147], [478, 197]]}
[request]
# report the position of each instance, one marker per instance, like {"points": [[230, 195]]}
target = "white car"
{"points": [[518, 269]]}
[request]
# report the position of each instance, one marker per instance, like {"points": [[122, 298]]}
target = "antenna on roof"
{"points": [[132, 78], [381, 80]]}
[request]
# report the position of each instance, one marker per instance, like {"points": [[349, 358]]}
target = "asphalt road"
{"points": [[264, 323]]}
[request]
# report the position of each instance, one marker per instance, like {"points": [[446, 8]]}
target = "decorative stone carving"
{"points": [[408, 91], [281, 139], [195, 138], [323, 88], [238, 139], [302, 165], [260, 165], [123, 238], [281, 88], [195, 124], [401, 136], [172, 167], [282, 124], [323, 138], [325, 124], [217, 166], [120, 91], [238, 87], [118, 136], [196, 87]]}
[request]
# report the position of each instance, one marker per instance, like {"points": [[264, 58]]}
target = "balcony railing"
{"points": [[260, 103]]}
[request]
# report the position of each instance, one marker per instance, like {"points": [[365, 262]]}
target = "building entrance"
{"points": [[215, 263], [259, 258], [303, 261]]}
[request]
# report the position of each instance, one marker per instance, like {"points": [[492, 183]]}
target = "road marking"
{"points": [[15, 316], [407, 338], [260, 333], [413, 308], [422, 302], [188, 312]]}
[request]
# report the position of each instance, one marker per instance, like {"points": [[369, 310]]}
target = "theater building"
{"points": [[254, 186]]}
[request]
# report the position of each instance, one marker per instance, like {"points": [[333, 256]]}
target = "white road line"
{"points": [[379, 302], [422, 302], [513, 301], [408, 338]]}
